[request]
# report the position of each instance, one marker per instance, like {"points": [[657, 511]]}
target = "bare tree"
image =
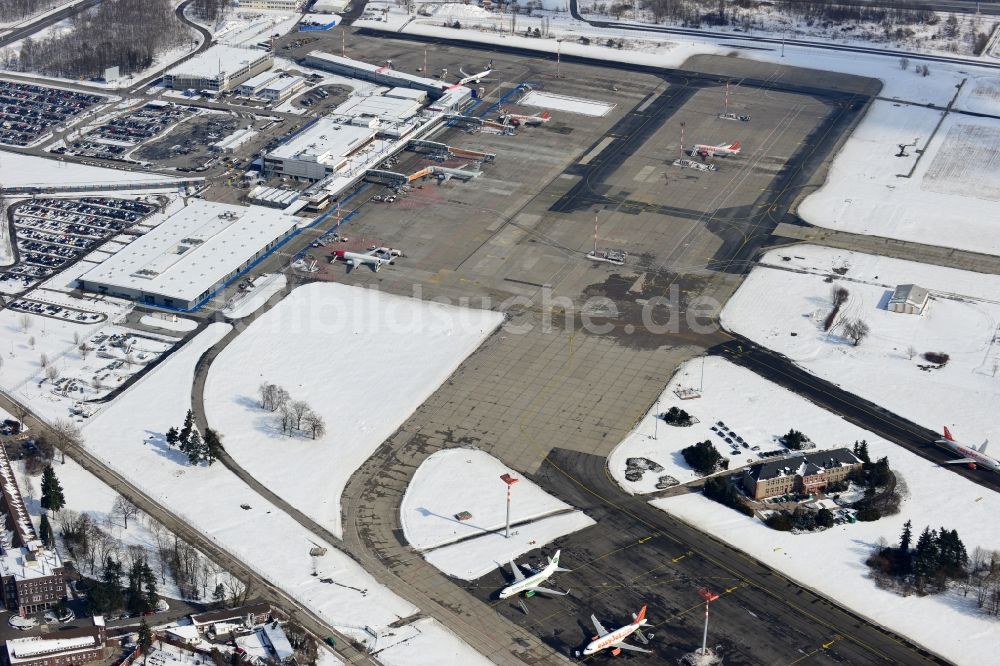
{"points": [[266, 392], [911, 351], [314, 424], [838, 295], [281, 398], [299, 409], [67, 434], [287, 419], [237, 591], [31, 342], [904, 64], [856, 330], [84, 350], [124, 509], [76, 337], [52, 373], [25, 322]]}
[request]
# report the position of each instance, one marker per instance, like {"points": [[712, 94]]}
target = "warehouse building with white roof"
{"points": [[191, 254], [322, 149]]}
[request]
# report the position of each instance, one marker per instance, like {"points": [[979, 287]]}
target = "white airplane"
{"points": [[532, 583], [516, 119], [372, 258], [616, 639], [474, 78], [710, 151], [973, 457]]}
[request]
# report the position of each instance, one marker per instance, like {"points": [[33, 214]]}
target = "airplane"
{"points": [[517, 119], [532, 583], [372, 258], [474, 78], [710, 151], [616, 639], [973, 457]]}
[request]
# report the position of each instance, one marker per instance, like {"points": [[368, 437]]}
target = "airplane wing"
{"points": [[545, 590], [634, 648], [518, 575], [960, 461], [601, 631]]}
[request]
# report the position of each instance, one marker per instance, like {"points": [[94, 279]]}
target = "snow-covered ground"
{"points": [[248, 302], [168, 322], [454, 481], [782, 305], [129, 437], [584, 107], [19, 170], [85, 493], [953, 197], [425, 643], [936, 497], [363, 360]]}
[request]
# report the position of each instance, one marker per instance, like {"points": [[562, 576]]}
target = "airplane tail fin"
{"points": [[545, 115], [982, 447], [947, 434], [735, 146], [555, 560], [641, 615]]}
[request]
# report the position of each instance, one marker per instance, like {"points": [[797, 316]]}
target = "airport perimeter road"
{"points": [[259, 585], [45, 21], [892, 427], [736, 40]]}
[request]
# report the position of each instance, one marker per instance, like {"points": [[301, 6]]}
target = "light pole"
{"points": [[558, 55], [709, 597], [510, 481], [656, 420]]}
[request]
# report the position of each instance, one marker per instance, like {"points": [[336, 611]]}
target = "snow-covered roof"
{"points": [[909, 293], [804, 465], [283, 83], [278, 640], [218, 61], [393, 109], [184, 631], [324, 142], [192, 251], [395, 75], [260, 80], [33, 646]]}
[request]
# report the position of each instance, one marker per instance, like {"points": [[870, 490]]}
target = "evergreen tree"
{"points": [[213, 445], [52, 492], [926, 560], [185, 435], [951, 551], [195, 448], [172, 436], [219, 594], [45, 531], [145, 636], [149, 580], [903, 554], [135, 598], [861, 451]]}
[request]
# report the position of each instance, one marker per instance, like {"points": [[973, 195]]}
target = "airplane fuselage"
{"points": [[703, 149], [609, 639], [530, 581], [980, 459]]}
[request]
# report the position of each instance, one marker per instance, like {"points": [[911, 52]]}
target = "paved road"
{"points": [[35, 26], [258, 584], [782, 371], [735, 40]]}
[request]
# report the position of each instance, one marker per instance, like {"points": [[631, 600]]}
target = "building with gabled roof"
{"points": [[908, 299], [809, 473]]}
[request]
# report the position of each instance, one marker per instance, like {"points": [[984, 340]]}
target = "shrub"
{"points": [[937, 358], [675, 416], [702, 457], [779, 521], [724, 492], [794, 439], [869, 515], [824, 518]]}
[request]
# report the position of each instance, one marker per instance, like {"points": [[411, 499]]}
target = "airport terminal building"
{"points": [[319, 151], [191, 254]]}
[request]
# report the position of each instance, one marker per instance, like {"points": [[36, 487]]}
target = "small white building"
{"points": [[251, 87], [219, 69], [908, 299], [280, 5], [281, 88]]}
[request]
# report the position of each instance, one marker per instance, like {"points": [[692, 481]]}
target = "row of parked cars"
{"points": [[27, 111], [733, 439]]}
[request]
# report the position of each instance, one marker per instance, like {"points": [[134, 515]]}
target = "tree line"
{"points": [[13, 10], [210, 10], [124, 33], [190, 442], [937, 557]]}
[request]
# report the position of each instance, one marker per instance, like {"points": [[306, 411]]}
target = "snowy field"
{"points": [[453, 481], [129, 436], [936, 497], [981, 94], [425, 643], [363, 360], [951, 200], [584, 107], [784, 311], [21, 170]]}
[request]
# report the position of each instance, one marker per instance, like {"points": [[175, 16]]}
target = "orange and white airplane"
{"points": [[516, 119], [615, 640], [973, 457], [705, 150]]}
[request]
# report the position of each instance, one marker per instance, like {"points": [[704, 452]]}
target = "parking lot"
{"points": [[116, 137], [28, 112], [188, 146], [51, 234]]}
